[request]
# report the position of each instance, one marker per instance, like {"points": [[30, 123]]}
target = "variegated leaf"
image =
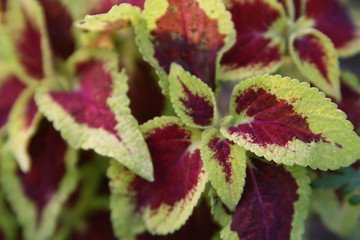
{"points": [[166, 203], [290, 123], [193, 101], [119, 16], [332, 18], [225, 164], [191, 33], [37, 196], [316, 58], [23, 122], [59, 22], [273, 206], [96, 114], [259, 46]]}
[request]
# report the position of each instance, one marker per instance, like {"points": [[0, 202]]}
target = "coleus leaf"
{"points": [[258, 48], [38, 195], [199, 226], [316, 58], [193, 101], [31, 42], [290, 123], [225, 164], [191, 33], [273, 205], [23, 122], [166, 203], [58, 25], [293, 8], [119, 16], [350, 102], [346, 179], [96, 114], [105, 5], [332, 18], [97, 226], [337, 215], [10, 88]]}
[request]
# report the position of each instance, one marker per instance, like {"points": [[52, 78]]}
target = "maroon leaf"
{"points": [[266, 208], [88, 105], [350, 104], [332, 18], [97, 227], [47, 151], [274, 121], [30, 50], [146, 99], [187, 36], [178, 173], [10, 89], [59, 23], [253, 50]]}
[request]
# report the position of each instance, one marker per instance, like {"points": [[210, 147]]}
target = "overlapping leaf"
{"points": [[259, 46], [316, 58], [119, 16], [166, 203], [291, 123], [273, 205], [38, 195], [191, 33], [193, 101], [96, 114], [225, 163], [332, 18], [23, 122]]}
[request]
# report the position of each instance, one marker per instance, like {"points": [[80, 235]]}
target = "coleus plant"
{"points": [[91, 89]]}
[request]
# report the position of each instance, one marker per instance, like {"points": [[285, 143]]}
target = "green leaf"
{"points": [[225, 164], [338, 216], [290, 123], [193, 101], [317, 59], [119, 16]]}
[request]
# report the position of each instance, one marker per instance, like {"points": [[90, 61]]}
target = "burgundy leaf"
{"points": [[146, 99], [97, 227], [350, 104], [10, 89], [266, 209], [332, 18], [274, 121], [311, 50], [30, 50], [176, 169], [187, 36], [252, 47], [47, 151], [88, 104], [59, 23]]}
